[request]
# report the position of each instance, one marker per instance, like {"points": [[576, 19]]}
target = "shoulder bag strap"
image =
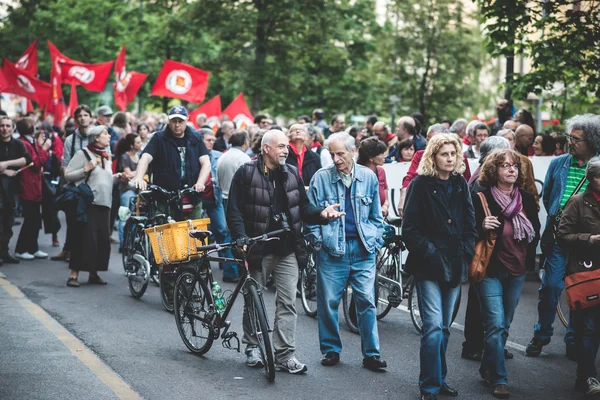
{"points": [[87, 155], [579, 186], [484, 203]]}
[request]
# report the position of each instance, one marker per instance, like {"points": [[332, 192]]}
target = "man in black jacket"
{"points": [[262, 193], [305, 160]]}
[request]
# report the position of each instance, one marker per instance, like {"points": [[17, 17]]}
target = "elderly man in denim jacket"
{"points": [[348, 247]]}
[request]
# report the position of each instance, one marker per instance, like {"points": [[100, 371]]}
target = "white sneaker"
{"points": [[293, 366], [40, 254], [253, 357], [24, 256], [593, 387]]}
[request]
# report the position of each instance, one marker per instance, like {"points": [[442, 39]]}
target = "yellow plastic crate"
{"points": [[171, 242]]}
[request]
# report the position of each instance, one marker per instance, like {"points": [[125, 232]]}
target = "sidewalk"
{"points": [[40, 359]]}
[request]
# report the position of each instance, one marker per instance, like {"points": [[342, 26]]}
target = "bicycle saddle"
{"points": [[394, 221], [200, 235]]}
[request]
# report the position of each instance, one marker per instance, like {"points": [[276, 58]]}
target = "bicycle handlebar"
{"points": [[242, 241]]}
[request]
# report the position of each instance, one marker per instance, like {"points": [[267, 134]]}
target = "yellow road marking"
{"points": [[110, 378]]}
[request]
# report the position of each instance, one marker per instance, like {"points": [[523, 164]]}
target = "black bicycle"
{"points": [[308, 284], [200, 322]]}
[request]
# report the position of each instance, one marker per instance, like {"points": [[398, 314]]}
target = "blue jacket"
{"points": [[326, 188]]}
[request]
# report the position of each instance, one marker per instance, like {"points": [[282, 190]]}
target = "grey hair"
{"points": [[503, 132], [590, 125], [343, 137], [593, 168], [94, 132], [269, 136], [206, 131], [439, 128], [492, 143], [471, 126], [458, 125]]}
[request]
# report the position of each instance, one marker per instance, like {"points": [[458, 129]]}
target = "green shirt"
{"points": [[576, 173]]}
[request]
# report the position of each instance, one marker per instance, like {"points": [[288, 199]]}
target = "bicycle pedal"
{"points": [[394, 300]]}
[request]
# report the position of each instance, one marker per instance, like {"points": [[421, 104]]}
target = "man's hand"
{"points": [[331, 213], [9, 172], [140, 184], [199, 187], [384, 210], [594, 240]]}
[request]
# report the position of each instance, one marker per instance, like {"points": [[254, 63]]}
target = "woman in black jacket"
{"points": [[439, 232], [514, 219]]}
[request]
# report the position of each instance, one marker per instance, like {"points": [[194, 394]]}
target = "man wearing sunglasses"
{"points": [[565, 177]]}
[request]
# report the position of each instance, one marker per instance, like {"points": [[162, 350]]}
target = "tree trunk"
{"points": [[260, 56]]}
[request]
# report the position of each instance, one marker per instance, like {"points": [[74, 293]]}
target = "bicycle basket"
{"points": [[171, 242]]}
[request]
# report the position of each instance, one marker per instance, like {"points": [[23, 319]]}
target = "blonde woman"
{"points": [[439, 231]]}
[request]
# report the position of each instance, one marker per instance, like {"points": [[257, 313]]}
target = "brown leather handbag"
{"points": [[483, 249]]}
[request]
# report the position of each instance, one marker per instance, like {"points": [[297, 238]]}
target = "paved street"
{"points": [[139, 351]]}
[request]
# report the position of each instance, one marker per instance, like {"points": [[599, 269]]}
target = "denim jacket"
{"points": [[326, 188]]}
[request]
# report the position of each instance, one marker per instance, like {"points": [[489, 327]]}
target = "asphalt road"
{"points": [[139, 341]]}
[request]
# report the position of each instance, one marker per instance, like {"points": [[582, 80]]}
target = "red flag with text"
{"points": [[25, 85], [28, 61], [93, 77], [127, 84], [239, 113], [212, 110], [181, 81]]}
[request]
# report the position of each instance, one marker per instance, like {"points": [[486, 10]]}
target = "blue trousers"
{"points": [[587, 324], [549, 293], [218, 227], [357, 267], [499, 297], [436, 302]]}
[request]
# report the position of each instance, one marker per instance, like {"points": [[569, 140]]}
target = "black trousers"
{"points": [[32, 223], [49, 211], [473, 323], [90, 249], [71, 218], [7, 220]]}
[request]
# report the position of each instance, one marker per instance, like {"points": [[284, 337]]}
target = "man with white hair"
{"points": [[265, 195], [347, 249]]}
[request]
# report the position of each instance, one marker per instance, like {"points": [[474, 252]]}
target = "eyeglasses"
{"points": [[574, 139], [508, 166]]}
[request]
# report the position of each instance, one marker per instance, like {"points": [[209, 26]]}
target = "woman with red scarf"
{"points": [[93, 165], [514, 219], [579, 233]]}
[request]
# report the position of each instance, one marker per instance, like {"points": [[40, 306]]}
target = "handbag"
{"points": [[71, 194], [583, 289], [548, 238], [483, 249]]}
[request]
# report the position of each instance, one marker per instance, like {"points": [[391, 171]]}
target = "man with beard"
{"points": [[503, 108]]}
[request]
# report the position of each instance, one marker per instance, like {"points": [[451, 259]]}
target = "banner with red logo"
{"points": [[25, 85], [239, 113], [212, 110], [28, 62], [93, 77], [181, 81], [127, 84]]}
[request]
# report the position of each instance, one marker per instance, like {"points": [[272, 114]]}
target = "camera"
{"points": [[281, 220]]}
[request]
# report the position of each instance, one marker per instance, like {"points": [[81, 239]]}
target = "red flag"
{"points": [[28, 62], [239, 113], [55, 105], [127, 83], [212, 110], [3, 82], [73, 103], [181, 81], [93, 77], [29, 106], [24, 85]]}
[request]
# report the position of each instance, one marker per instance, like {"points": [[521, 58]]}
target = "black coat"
{"points": [[310, 165], [438, 230], [220, 144]]}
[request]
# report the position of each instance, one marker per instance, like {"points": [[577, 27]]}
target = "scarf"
{"points": [[103, 155], [596, 196], [512, 208]]}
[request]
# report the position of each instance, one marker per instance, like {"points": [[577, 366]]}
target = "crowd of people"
{"points": [[327, 183]]}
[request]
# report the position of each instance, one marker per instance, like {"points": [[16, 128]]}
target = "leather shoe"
{"points": [[428, 396], [446, 390], [501, 392], [8, 259], [508, 355], [330, 359], [374, 363], [72, 282], [471, 355], [96, 280], [62, 256]]}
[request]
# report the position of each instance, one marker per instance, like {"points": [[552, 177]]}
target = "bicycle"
{"points": [[308, 284], [200, 323], [137, 256]]}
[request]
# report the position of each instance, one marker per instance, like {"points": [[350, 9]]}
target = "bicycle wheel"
{"points": [[349, 309], [128, 232], [308, 287], [191, 302], [167, 286], [415, 311], [387, 267], [562, 309], [138, 268], [258, 322]]}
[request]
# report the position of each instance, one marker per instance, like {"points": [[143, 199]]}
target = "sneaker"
{"points": [[40, 254], [293, 366], [253, 357], [593, 387], [24, 256], [534, 348]]}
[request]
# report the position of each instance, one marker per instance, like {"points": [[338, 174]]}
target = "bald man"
{"points": [[524, 140], [511, 124], [406, 129], [382, 132]]}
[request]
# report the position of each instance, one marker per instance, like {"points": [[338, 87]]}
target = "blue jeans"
{"points": [[436, 302], [357, 267], [587, 324], [549, 292], [499, 297], [218, 227], [125, 199]]}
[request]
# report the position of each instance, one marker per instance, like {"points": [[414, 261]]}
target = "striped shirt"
{"points": [[576, 174]]}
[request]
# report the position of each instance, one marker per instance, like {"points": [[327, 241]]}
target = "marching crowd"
{"points": [[327, 182]]}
